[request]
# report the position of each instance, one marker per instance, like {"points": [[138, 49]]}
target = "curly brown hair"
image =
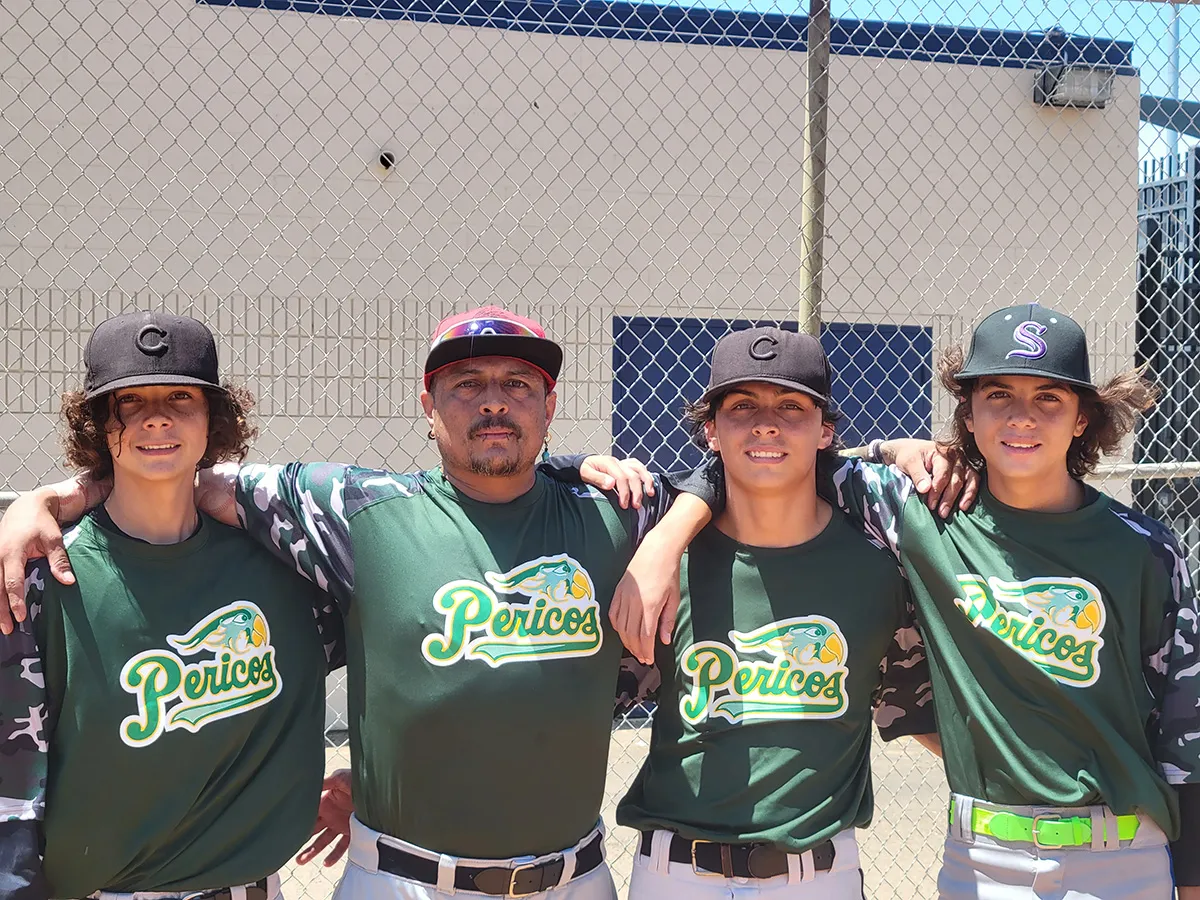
{"points": [[696, 415], [85, 437], [1111, 410]]}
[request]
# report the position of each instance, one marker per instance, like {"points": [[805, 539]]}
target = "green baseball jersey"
{"points": [[763, 725], [481, 669], [171, 705], [1064, 647]]}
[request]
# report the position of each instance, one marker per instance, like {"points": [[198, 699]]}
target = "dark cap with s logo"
{"points": [[774, 356], [145, 348], [1029, 340]]}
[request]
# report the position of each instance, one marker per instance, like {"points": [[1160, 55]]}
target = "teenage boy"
{"points": [[793, 627], [1061, 628], [161, 719]]}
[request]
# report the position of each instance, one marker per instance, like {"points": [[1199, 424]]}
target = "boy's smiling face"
{"points": [[1024, 425], [157, 432], [768, 436]]}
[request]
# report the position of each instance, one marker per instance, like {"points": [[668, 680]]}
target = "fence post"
{"points": [[812, 197]]}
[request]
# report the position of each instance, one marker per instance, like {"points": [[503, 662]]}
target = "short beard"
{"points": [[495, 468]]}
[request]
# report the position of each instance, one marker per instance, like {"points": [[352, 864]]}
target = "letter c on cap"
{"points": [[757, 352], [152, 340]]}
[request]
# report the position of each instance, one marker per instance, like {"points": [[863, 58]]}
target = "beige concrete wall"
{"points": [[225, 160]]}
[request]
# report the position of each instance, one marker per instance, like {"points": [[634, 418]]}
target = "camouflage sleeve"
{"points": [[24, 737], [872, 495], [298, 512], [706, 482], [563, 468], [1172, 670], [637, 685], [904, 700], [1185, 861], [331, 625], [638, 522], [1172, 662], [652, 510]]}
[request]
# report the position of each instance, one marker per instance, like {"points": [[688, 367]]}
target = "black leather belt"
{"points": [[738, 860], [499, 881]]}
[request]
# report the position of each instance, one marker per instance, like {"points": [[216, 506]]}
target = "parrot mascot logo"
{"points": [[234, 671], [1054, 623], [557, 617], [791, 669]]}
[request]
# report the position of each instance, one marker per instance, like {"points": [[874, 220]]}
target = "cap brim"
{"points": [[542, 353], [968, 375], [781, 382], [146, 380]]}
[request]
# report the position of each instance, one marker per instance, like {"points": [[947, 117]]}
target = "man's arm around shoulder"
{"points": [[32, 528]]}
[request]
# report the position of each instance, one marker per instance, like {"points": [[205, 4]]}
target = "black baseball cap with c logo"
{"points": [[775, 356], [144, 348]]}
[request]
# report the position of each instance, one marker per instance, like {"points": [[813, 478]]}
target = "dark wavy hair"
{"points": [[697, 415], [1111, 410], [85, 436]]}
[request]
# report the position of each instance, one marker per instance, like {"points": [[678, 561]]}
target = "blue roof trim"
{"points": [[726, 28]]}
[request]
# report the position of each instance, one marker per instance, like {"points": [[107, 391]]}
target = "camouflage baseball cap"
{"points": [[1029, 340]]}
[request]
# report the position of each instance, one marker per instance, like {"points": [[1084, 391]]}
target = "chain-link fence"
{"points": [[322, 180]]}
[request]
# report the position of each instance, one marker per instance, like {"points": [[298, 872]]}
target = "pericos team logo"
{"points": [[1055, 623], [239, 675], [558, 617], [790, 669]]}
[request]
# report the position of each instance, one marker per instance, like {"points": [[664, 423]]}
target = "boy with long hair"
{"points": [[147, 740]]}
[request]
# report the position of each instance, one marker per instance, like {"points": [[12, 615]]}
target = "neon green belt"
{"points": [[1048, 832]]}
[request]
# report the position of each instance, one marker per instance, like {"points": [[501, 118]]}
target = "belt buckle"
{"points": [[703, 873], [1037, 841], [512, 880]]}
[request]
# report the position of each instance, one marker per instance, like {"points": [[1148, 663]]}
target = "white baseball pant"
{"points": [[363, 880], [981, 867], [655, 877]]}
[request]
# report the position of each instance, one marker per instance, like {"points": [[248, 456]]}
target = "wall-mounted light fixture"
{"points": [[1074, 84]]}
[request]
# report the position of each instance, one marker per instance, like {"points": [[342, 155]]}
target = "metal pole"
{"points": [[1172, 137], [812, 192]]}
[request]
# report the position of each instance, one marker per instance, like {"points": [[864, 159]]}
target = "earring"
{"points": [[546, 448], [430, 435]]}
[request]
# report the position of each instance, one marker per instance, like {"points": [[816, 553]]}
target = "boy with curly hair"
{"points": [[147, 740]]}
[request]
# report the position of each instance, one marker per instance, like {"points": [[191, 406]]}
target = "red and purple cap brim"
{"points": [[491, 331]]}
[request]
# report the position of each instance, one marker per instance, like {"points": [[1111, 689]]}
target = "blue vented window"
{"points": [[882, 381]]}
